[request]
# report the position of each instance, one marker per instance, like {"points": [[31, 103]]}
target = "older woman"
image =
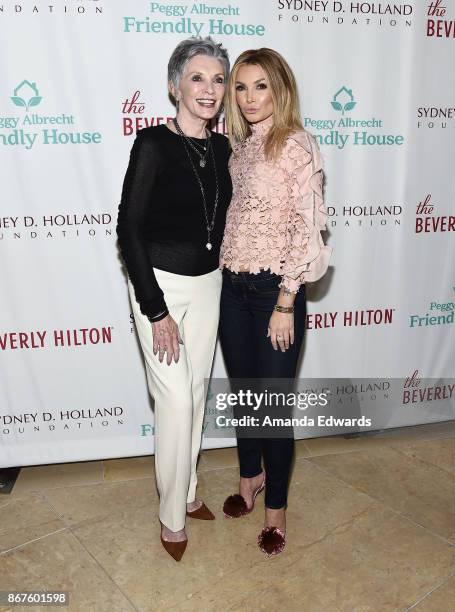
{"points": [[170, 227]]}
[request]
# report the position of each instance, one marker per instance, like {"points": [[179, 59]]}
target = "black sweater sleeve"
{"points": [[135, 201]]}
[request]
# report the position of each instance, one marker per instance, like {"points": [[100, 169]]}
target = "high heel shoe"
{"points": [[175, 549], [202, 513], [271, 541], [235, 505]]}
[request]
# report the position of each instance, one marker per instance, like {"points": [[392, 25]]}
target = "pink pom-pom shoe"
{"points": [[271, 541], [235, 505]]}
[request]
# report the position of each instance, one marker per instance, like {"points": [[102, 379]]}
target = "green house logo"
{"points": [[26, 94], [343, 100]]}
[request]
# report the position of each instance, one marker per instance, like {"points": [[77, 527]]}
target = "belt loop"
{"points": [[243, 276], [249, 280]]}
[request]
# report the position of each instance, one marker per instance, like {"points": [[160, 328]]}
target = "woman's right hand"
{"points": [[166, 339]]}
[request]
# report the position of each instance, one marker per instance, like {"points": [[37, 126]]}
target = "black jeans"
{"points": [[247, 302]]}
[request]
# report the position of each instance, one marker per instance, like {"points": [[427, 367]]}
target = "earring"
{"points": [[177, 104]]}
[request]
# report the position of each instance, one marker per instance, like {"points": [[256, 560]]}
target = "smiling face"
{"points": [[201, 88], [253, 93]]}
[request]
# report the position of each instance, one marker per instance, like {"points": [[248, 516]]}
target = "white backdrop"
{"points": [[79, 77]]}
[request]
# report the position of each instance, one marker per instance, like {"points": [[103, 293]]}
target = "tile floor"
{"points": [[371, 528]]}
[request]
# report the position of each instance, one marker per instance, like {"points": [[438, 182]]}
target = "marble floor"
{"points": [[371, 528]]}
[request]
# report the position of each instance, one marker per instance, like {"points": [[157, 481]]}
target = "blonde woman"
{"points": [[271, 247]]}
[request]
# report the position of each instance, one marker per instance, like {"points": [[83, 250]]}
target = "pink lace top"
{"points": [[277, 210]]}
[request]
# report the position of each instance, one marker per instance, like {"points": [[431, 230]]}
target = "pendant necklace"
{"points": [[196, 146], [209, 150]]}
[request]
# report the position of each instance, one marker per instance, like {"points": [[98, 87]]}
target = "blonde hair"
{"points": [[283, 86]]}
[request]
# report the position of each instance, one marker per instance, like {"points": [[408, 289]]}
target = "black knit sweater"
{"points": [[161, 221]]}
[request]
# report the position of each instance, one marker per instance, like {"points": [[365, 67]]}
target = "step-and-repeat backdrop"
{"points": [[79, 77]]}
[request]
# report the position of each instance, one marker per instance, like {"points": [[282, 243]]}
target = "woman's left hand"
{"points": [[281, 330]]}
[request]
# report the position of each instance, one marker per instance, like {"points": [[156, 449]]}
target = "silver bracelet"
{"points": [[158, 315]]}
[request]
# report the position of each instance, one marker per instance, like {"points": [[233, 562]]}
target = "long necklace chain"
{"points": [[210, 225]]}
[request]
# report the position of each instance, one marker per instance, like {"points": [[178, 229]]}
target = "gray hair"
{"points": [[190, 47]]}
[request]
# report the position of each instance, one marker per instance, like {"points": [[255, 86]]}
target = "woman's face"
{"points": [[253, 93], [201, 88]]}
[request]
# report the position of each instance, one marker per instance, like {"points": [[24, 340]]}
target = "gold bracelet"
{"points": [[287, 309]]}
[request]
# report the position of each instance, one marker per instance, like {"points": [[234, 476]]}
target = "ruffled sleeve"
{"points": [[307, 257]]}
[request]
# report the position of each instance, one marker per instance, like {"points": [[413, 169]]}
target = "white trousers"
{"points": [[178, 388]]}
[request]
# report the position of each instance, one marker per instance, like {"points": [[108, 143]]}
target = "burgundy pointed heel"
{"points": [[235, 505], [175, 549], [202, 513]]}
